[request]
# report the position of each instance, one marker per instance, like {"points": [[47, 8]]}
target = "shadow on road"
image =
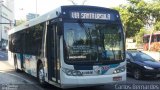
{"points": [[144, 78], [51, 87]]}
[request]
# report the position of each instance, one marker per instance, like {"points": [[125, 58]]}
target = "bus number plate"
{"points": [[119, 78]]}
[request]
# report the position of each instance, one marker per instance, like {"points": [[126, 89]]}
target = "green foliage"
{"points": [[155, 9], [131, 23], [138, 13], [139, 36], [157, 26]]}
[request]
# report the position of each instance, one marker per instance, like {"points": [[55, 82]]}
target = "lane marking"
{"points": [[30, 82]]}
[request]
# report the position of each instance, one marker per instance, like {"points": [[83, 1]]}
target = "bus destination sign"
{"points": [[90, 15]]}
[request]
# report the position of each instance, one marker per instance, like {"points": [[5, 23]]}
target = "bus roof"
{"points": [[56, 13], [35, 21]]}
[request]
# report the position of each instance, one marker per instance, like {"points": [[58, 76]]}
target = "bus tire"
{"points": [[15, 64], [41, 75]]}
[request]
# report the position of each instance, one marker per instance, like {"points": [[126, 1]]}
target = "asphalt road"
{"points": [[11, 80]]}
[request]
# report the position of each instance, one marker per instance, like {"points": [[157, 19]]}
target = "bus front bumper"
{"points": [[84, 81]]}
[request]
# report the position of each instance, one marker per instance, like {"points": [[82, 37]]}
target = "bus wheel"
{"points": [[15, 64], [41, 75]]}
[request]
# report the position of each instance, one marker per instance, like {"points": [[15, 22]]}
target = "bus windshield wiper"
{"points": [[88, 35], [81, 24]]}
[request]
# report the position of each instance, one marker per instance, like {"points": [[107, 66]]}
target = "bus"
{"points": [[155, 42], [71, 46]]}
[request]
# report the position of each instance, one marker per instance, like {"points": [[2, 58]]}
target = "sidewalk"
{"points": [[5, 66]]}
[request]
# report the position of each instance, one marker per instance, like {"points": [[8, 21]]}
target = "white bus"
{"points": [[72, 46]]}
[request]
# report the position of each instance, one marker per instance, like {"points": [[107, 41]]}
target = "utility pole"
{"points": [[1, 4], [74, 3], [84, 2], [36, 8], [152, 21]]}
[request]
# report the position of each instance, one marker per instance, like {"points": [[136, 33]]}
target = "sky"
{"points": [[23, 7]]}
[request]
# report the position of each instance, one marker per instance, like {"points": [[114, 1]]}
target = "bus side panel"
{"points": [[19, 60], [30, 64], [10, 58]]}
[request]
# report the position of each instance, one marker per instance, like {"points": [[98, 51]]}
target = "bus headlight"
{"points": [[119, 69], [71, 72]]}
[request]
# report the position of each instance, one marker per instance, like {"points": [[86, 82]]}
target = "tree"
{"points": [[139, 36], [155, 10], [157, 26], [131, 23], [137, 14]]}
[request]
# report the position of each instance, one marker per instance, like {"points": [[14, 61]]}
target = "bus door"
{"points": [[52, 52]]}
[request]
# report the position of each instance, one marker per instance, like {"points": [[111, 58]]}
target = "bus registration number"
{"points": [[118, 78]]}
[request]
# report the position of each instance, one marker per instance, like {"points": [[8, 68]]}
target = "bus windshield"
{"points": [[92, 42]]}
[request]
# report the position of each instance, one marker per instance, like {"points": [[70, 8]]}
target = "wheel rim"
{"points": [[41, 75], [137, 74]]}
